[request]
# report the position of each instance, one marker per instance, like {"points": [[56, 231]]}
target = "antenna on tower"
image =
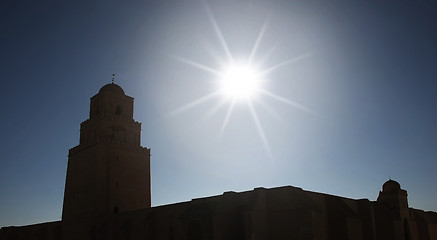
{"points": [[113, 78]]}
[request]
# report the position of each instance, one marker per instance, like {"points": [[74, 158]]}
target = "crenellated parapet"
{"points": [[112, 117], [107, 141]]}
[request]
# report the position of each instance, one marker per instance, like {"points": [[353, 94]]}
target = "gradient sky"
{"points": [[365, 71]]}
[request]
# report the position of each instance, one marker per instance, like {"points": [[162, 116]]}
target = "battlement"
{"points": [[107, 141], [107, 116]]}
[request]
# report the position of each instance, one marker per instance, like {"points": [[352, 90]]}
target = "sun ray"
{"points": [[258, 41], [214, 109], [260, 129], [200, 66], [213, 53], [269, 109], [266, 56], [265, 71], [195, 102], [220, 35], [291, 103], [228, 115]]}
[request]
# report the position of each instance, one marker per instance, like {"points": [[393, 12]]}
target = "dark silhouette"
{"points": [[107, 196]]}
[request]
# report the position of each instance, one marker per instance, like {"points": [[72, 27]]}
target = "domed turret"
{"points": [[111, 101], [394, 197], [113, 88], [391, 186]]}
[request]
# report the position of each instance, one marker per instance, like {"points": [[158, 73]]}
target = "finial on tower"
{"points": [[113, 78]]}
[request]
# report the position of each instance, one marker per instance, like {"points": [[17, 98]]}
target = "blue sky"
{"points": [[364, 72]]}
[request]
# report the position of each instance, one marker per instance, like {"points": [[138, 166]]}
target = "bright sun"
{"points": [[240, 82]]}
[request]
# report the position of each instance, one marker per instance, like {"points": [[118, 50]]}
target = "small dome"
{"points": [[391, 185], [113, 88]]}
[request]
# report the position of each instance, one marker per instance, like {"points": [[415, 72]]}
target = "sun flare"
{"points": [[240, 82]]}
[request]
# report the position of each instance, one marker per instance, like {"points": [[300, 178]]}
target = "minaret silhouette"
{"points": [[109, 171], [394, 198]]}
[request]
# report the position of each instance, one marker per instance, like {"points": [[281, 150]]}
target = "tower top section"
{"points": [[391, 186], [111, 101], [112, 88]]}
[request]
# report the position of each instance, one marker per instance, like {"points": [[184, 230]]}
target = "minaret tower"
{"points": [[108, 172], [395, 199]]}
